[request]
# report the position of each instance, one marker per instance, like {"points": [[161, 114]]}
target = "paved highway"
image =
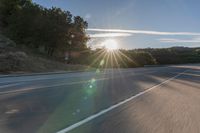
{"points": [[139, 100]]}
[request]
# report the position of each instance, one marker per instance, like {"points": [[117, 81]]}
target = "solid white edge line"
{"points": [[10, 85], [49, 86], [69, 76], [114, 106]]}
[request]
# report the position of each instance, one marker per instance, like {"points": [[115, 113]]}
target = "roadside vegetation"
{"points": [[48, 31], [42, 38]]}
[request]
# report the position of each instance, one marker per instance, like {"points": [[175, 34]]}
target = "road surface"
{"points": [[139, 100]]}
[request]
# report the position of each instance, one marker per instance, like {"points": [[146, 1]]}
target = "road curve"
{"points": [[142, 100]]}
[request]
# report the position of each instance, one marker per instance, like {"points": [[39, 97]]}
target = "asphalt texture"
{"points": [[139, 100]]}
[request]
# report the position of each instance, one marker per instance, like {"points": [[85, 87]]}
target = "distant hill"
{"points": [[175, 55]]}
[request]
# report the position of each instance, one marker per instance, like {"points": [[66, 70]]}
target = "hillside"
{"points": [[13, 59]]}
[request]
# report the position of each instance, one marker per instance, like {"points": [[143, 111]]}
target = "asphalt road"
{"points": [[140, 100]]}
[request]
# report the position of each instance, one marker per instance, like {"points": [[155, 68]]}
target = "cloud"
{"points": [[173, 40], [104, 35], [144, 32]]}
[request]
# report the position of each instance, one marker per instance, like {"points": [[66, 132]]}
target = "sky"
{"points": [[137, 23]]}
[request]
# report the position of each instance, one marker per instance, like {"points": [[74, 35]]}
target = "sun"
{"points": [[110, 44]]}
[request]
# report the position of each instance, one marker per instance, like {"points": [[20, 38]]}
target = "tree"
{"points": [[9, 7], [78, 37], [53, 30]]}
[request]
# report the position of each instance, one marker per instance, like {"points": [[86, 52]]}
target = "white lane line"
{"points": [[65, 130], [42, 87], [61, 77], [38, 79], [191, 74], [188, 74], [10, 85], [29, 79], [55, 85]]}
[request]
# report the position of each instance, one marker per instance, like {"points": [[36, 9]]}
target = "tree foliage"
{"points": [[52, 31], [141, 57], [175, 55]]}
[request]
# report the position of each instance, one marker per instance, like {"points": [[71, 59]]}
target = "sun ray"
{"points": [[121, 59], [115, 59], [101, 52], [128, 58]]}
